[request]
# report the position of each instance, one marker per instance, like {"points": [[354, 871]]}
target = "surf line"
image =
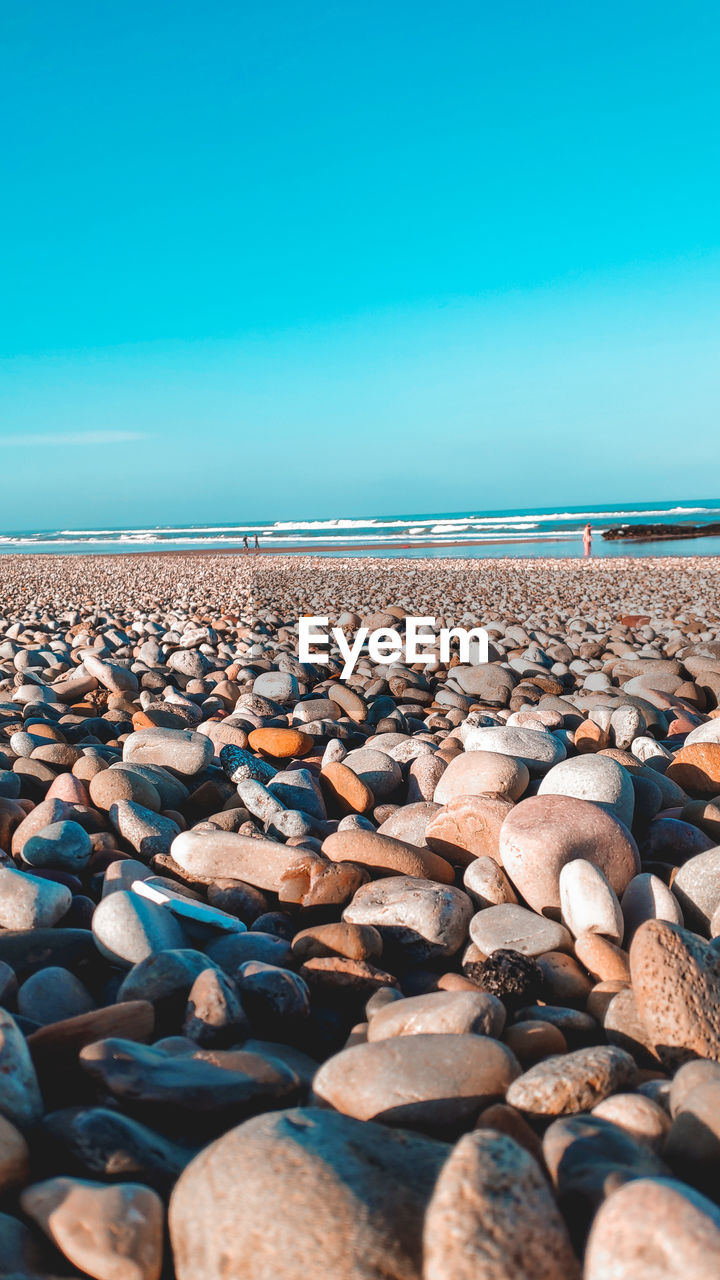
{"points": [[385, 645]]}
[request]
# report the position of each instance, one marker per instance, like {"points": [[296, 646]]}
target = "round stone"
{"points": [[128, 929], [468, 828], [423, 918], [31, 902], [380, 773], [596, 778], [543, 833], [537, 749], [588, 903], [516, 928], [573, 1082], [281, 744], [475, 773], [62, 844], [113, 1233], [654, 1227]]}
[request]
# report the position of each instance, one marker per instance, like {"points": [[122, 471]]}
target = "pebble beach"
{"points": [[409, 976]]}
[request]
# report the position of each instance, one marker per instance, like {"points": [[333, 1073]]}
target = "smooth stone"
{"points": [[354, 941], [343, 790], [27, 950], [486, 681], [595, 778], [111, 785], [647, 897], [656, 1228], [676, 982], [112, 1233], [486, 882], [573, 1082], [709, 731], [425, 919], [52, 995], [158, 890], [646, 1121], [492, 1216], [409, 823], [128, 929], [231, 951], [588, 903], [359, 1214], [423, 1080], [697, 889], [670, 840], [468, 828], [148, 833], [181, 749], [14, 1158], [475, 773], [30, 902], [258, 861], [386, 856], [281, 744], [543, 833], [693, 1144], [278, 686], [440, 1013], [299, 789], [696, 768], [377, 770], [214, 1016], [537, 749], [20, 1099], [61, 844], [514, 927], [165, 979]]}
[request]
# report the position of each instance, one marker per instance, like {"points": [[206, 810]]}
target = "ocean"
{"points": [[541, 531]]}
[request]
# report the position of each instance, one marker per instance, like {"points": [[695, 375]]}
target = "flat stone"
{"points": [[486, 882], [423, 918], [542, 833], [514, 927], [409, 823], [184, 1093], [260, 862], [424, 1080], [367, 1185], [377, 770], [492, 1215], [573, 1082], [354, 941], [52, 995]]}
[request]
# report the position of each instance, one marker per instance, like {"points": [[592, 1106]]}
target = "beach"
{"points": [[411, 975]]}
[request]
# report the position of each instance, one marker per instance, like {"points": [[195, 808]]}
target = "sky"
{"points": [[279, 260]]}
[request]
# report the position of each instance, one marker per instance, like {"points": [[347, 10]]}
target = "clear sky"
{"points": [[283, 259]]}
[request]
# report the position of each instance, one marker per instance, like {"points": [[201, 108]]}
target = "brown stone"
{"points": [[676, 982], [344, 791], [602, 958], [112, 1233], [385, 856], [281, 744], [468, 827], [696, 769]]}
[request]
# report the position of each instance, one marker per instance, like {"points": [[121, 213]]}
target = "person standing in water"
{"points": [[245, 543], [257, 544], [587, 540]]}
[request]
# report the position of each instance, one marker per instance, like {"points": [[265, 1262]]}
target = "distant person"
{"points": [[245, 542], [257, 544], [587, 540]]}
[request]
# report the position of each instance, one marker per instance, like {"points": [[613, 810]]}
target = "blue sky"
{"points": [[280, 260]]}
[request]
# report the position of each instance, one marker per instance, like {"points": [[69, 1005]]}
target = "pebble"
{"points": [[440, 1013], [112, 1233], [655, 1228], [596, 778], [697, 890], [181, 749], [479, 773], [468, 828], [497, 928], [20, 1099], [430, 1081], [365, 1189], [676, 981], [537, 749], [61, 844], [542, 833], [29, 902], [588, 903], [573, 1082], [488, 1186], [425, 920], [128, 929]]}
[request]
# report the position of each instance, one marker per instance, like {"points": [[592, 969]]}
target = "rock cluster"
{"points": [[414, 975]]}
